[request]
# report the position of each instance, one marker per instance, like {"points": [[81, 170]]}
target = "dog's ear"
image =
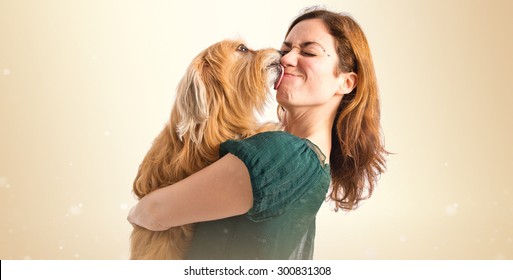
{"points": [[191, 104]]}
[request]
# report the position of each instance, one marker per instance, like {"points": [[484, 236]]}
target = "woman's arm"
{"points": [[220, 190]]}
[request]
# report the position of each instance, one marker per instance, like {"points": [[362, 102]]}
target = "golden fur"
{"points": [[216, 100]]}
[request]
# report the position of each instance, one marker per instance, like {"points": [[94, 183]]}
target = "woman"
{"points": [[260, 199]]}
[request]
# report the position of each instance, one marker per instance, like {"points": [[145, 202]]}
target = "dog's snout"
{"points": [[282, 53]]}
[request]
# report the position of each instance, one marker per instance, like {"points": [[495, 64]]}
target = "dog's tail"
{"points": [[171, 244]]}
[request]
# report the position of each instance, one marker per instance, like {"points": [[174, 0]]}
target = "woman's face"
{"points": [[309, 60]]}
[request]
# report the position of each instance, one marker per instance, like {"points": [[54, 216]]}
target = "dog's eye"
{"points": [[242, 48]]}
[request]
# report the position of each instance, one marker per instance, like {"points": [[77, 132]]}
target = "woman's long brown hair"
{"points": [[357, 156]]}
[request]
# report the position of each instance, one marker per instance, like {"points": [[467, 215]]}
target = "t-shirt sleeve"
{"points": [[281, 166]]}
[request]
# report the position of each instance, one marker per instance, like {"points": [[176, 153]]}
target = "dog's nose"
{"points": [[282, 53]]}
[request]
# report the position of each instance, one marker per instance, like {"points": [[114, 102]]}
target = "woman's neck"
{"points": [[313, 124]]}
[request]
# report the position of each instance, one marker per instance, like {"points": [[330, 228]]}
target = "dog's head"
{"points": [[227, 83]]}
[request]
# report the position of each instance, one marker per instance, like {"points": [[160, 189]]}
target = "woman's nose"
{"points": [[288, 58]]}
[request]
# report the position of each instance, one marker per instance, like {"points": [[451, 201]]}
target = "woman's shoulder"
{"points": [[267, 144], [278, 135], [275, 147], [272, 139]]}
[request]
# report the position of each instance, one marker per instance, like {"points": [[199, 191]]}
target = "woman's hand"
{"points": [[142, 215], [134, 218], [131, 216]]}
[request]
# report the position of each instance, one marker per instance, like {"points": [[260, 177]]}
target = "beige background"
{"points": [[85, 86]]}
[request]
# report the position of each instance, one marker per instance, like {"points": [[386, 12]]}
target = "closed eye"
{"points": [[308, 54], [303, 53], [306, 49]]}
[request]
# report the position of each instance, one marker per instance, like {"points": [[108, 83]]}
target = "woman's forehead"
{"points": [[308, 31]]}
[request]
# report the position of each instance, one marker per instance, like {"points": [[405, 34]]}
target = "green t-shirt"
{"points": [[289, 181]]}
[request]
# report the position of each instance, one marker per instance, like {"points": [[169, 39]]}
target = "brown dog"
{"points": [[216, 100]]}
